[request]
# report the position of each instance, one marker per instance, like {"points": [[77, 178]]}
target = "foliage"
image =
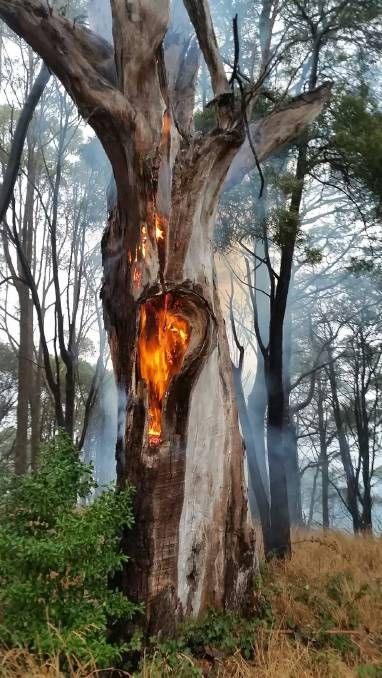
{"points": [[357, 137], [215, 635], [313, 255], [205, 120], [284, 225], [8, 381], [56, 559]]}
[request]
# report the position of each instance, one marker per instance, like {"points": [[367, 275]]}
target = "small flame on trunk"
{"points": [[143, 241], [159, 227], [164, 336], [137, 277]]}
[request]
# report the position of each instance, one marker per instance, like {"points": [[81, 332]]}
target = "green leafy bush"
{"points": [[215, 635], [57, 557]]}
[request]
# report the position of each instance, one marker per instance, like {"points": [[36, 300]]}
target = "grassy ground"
{"points": [[317, 616]]}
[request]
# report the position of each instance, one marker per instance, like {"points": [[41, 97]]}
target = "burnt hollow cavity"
{"points": [[175, 332]]}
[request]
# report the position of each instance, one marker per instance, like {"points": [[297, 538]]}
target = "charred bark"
{"points": [[191, 546]]}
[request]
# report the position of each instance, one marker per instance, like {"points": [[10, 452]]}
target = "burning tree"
{"points": [[179, 441]]}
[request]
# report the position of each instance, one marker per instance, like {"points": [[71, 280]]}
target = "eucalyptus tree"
{"points": [[179, 442]]}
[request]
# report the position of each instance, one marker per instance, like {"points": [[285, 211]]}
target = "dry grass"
{"points": [[333, 581], [326, 605], [327, 608], [325, 620], [18, 663]]}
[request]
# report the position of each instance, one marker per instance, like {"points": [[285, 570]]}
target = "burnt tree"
{"points": [[179, 441]]}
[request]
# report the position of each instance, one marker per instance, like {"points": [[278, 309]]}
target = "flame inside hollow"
{"points": [[164, 336]]}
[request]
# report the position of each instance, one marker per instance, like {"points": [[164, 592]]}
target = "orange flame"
{"points": [[166, 128], [163, 340], [137, 277], [159, 227]]}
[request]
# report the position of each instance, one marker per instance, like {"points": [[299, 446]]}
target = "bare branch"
{"points": [[279, 127], [200, 15], [19, 139]]}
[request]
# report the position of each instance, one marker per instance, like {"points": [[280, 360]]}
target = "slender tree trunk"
{"points": [[25, 377], [25, 356], [324, 461], [362, 427], [312, 499], [351, 480], [292, 470], [255, 476], [35, 409], [257, 407], [257, 400], [289, 427], [280, 522], [364, 447], [367, 520]]}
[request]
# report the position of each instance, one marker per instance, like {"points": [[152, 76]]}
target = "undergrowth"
{"points": [[56, 560], [318, 615]]}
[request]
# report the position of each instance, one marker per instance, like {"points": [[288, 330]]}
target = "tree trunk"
{"points": [[289, 426], [312, 499], [257, 489], [25, 377], [280, 545], [35, 409], [257, 407], [362, 381], [351, 480], [292, 469], [191, 547], [25, 355], [324, 461], [257, 399]]}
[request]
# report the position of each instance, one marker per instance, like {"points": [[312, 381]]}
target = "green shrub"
{"points": [[57, 558], [215, 635], [224, 632]]}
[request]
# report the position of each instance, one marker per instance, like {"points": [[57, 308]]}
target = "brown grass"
{"points": [[18, 663], [327, 608], [325, 612]]}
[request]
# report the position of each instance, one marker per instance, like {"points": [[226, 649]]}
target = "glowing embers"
{"points": [[164, 336]]}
